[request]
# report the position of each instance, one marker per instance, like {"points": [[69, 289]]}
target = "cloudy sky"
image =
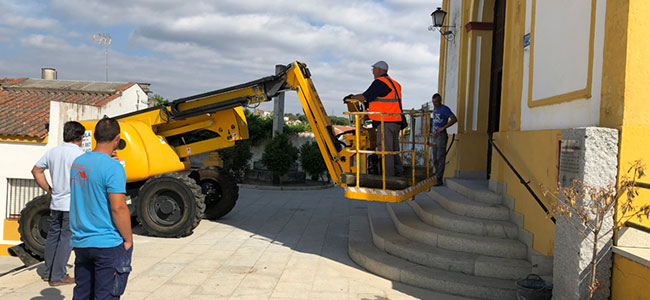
{"points": [[188, 47]]}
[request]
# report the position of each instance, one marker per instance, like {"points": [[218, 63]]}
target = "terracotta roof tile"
{"points": [[25, 111]]}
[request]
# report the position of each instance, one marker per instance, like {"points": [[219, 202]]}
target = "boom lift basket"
{"points": [[416, 152]]}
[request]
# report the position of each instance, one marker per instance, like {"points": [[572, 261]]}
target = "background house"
{"points": [[32, 114]]}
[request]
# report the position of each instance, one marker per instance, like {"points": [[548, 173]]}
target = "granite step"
{"points": [[410, 226], [460, 205], [474, 189], [432, 213], [386, 237], [362, 251]]}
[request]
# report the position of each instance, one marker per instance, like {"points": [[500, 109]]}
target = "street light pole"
{"points": [[104, 39]]}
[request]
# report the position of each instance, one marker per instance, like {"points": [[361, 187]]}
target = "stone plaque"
{"points": [[570, 157]]}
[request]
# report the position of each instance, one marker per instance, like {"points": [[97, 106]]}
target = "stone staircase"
{"points": [[456, 239]]}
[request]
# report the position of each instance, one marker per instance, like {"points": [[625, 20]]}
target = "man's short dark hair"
{"points": [[73, 131], [106, 130], [436, 95]]}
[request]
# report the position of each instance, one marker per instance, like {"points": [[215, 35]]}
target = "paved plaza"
{"points": [[273, 245]]}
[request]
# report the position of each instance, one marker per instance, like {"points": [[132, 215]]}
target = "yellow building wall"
{"points": [[630, 279], [534, 153], [535, 156], [624, 105], [635, 131], [442, 64], [626, 85], [10, 233], [471, 152], [513, 66], [634, 145], [22, 139], [470, 148]]}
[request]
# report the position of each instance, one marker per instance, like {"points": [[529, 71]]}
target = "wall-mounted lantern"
{"points": [[438, 18]]}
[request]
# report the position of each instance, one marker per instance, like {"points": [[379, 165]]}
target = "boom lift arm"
{"points": [[220, 111]]}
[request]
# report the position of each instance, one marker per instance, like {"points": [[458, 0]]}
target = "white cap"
{"points": [[381, 64]]}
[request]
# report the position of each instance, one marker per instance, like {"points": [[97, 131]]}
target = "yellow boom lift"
{"points": [[170, 199]]}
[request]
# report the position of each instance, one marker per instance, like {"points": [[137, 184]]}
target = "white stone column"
{"points": [[278, 114], [590, 155], [278, 109]]}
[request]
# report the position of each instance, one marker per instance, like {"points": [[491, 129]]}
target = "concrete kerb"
{"points": [[284, 188]]}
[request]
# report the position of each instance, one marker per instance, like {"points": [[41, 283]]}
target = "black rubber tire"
{"points": [[34, 223], [220, 190], [170, 205]]}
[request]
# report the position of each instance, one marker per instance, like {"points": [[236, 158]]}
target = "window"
{"points": [[19, 192]]}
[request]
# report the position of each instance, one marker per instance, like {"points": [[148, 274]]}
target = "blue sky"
{"points": [[189, 47]]}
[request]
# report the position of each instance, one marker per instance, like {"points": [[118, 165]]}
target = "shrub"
{"points": [[587, 208], [312, 160], [236, 159], [279, 154]]}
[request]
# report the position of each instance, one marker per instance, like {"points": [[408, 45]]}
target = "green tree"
{"points": [[159, 99], [311, 160], [278, 156], [291, 116], [340, 120], [295, 129], [259, 128]]}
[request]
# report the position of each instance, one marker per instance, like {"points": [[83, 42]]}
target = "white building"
{"points": [[32, 114]]}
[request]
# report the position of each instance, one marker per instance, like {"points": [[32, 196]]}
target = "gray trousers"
{"points": [[391, 137], [57, 246], [439, 153]]}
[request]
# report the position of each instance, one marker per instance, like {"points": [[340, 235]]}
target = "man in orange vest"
{"points": [[385, 96]]}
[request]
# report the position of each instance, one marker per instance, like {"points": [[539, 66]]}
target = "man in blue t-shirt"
{"points": [[442, 119], [99, 218]]}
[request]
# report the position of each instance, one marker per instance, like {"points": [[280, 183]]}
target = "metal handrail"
{"points": [[521, 180], [642, 185]]}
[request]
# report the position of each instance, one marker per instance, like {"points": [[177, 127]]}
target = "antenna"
{"points": [[103, 39]]}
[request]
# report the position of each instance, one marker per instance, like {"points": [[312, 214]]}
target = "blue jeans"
{"points": [[440, 154], [57, 245], [101, 273]]}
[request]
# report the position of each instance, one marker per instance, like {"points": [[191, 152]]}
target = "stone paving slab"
{"points": [[273, 245]]}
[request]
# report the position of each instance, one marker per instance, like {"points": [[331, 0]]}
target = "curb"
{"points": [[284, 188]]}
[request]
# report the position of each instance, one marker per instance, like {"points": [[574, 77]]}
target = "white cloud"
{"points": [[22, 22], [44, 42], [193, 46]]}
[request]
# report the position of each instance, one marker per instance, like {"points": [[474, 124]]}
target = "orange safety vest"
{"points": [[389, 103]]}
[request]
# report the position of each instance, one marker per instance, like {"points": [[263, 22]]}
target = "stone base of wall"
{"points": [[267, 176]]}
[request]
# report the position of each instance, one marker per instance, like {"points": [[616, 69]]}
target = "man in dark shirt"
{"points": [[384, 96], [442, 119]]}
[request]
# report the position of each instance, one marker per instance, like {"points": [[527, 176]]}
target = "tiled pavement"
{"points": [[273, 245]]}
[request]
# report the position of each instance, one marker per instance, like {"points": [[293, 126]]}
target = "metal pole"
{"points": [[105, 39], [106, 54]]}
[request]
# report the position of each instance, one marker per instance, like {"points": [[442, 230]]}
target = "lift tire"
{"points": [[170, 205], [34, 223], [220, 190]]}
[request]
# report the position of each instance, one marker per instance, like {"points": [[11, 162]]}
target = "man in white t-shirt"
{"points": [[59, 161]]}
